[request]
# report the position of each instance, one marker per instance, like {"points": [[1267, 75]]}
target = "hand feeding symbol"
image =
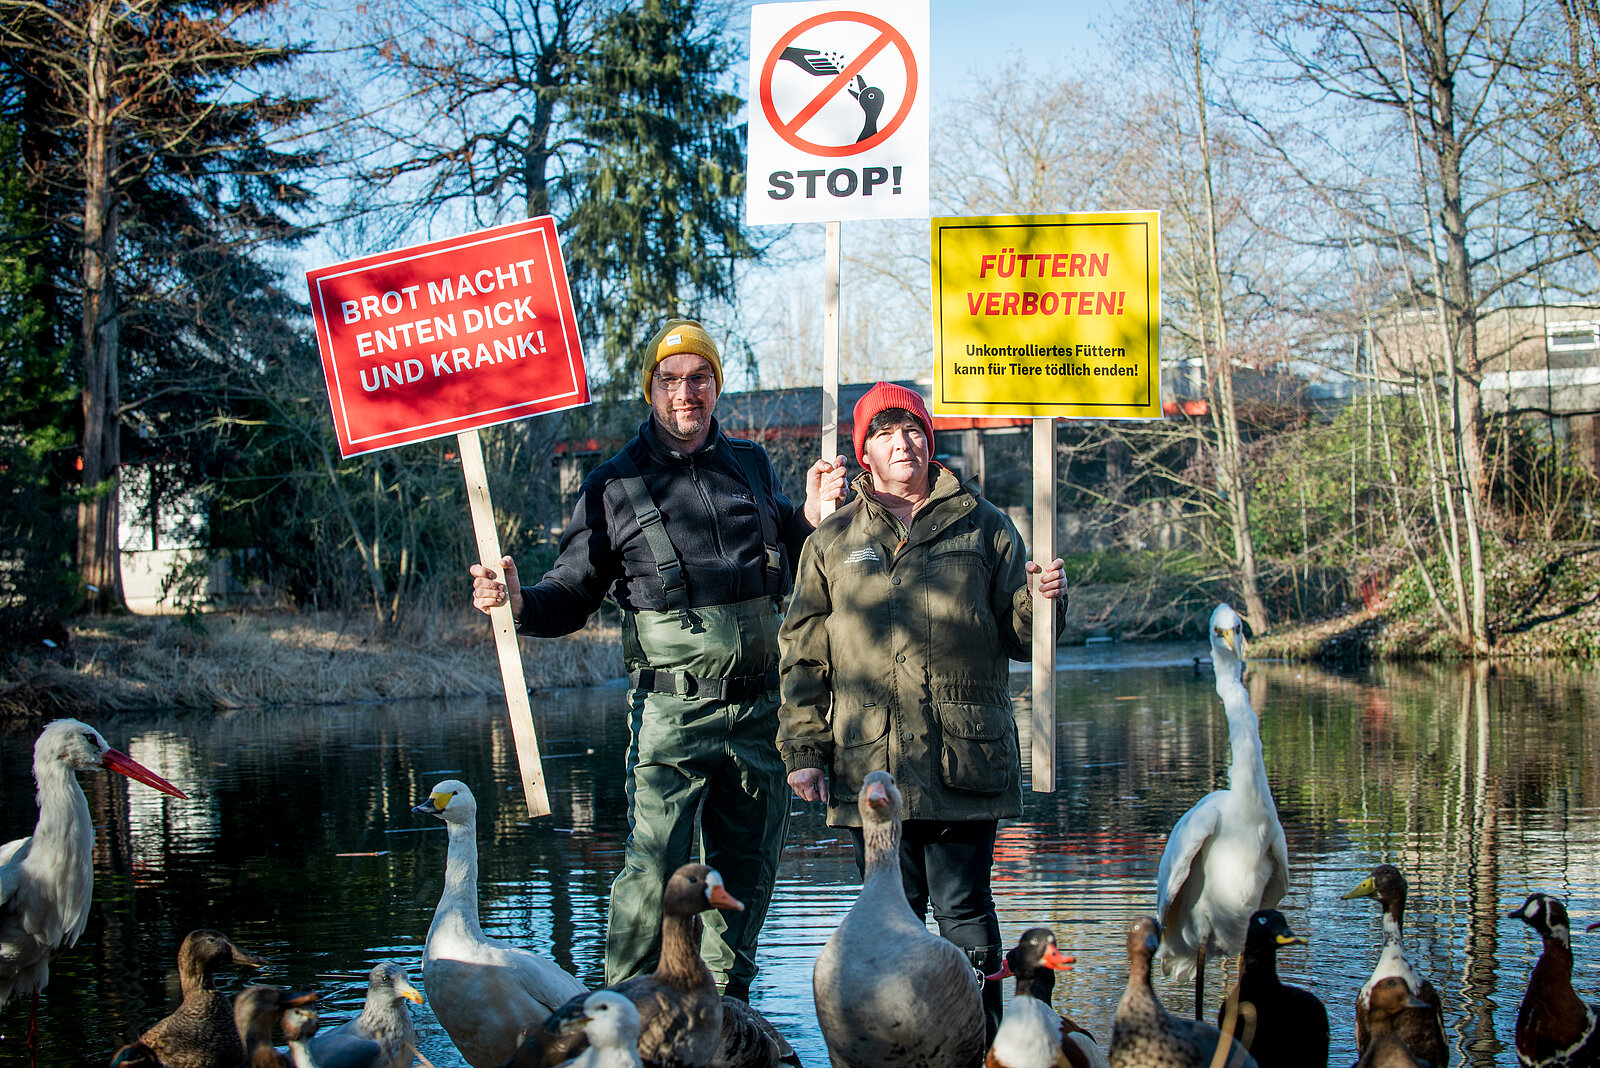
{"points": [[825, 64]]}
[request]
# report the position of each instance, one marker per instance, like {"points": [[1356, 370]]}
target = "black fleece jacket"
{"points": [[709, 514]]}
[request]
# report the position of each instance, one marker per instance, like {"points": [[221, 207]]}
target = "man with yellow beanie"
{"points": [[687, 529]]}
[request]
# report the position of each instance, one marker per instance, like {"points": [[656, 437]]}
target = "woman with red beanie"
{"points": [[909, 603]]}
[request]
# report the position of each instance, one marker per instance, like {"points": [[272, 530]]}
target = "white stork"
{"points": [[47, 879]]}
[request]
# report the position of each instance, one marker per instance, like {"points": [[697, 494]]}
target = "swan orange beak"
{"points": [[877, 795], [1054, 958], [123, 764]]}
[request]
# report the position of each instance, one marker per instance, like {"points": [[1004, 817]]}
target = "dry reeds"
{"points": [[247, 661]]}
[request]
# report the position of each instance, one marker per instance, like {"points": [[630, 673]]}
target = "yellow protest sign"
{"points": [[1048, 315]]}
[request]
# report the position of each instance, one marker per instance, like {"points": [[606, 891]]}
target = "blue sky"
{"points": [[971, 35]]}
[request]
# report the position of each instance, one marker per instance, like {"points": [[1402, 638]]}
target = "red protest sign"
{"points": [[448, 336]]}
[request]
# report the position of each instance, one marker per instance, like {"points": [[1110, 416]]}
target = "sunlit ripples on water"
{"points": [[1477, 784]]}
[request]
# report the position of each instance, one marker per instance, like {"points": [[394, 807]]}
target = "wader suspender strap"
{"points": [[746, 452], [655, 535]]}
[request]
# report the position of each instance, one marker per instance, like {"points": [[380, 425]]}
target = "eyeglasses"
{"points": [[696, 383]]}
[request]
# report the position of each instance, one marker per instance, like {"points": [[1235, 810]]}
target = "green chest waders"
{"points": [[703, 723]]}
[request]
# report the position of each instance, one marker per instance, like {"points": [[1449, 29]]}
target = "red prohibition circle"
{"points": [[787, 131]]}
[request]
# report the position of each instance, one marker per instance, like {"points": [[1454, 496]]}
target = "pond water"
{"points": [[1478, 783]]}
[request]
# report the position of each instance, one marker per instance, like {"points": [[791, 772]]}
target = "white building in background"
{"points": [[166, 565]]}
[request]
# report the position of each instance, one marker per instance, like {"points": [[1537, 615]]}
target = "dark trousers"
{"points": [[946, 864]]}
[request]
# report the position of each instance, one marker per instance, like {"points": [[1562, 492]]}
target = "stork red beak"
{"points": [[1005, 972], [123, 764], [1592, 926], [1054, 958]]}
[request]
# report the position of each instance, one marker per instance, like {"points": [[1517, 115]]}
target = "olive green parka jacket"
{"points": [[895, 655]]}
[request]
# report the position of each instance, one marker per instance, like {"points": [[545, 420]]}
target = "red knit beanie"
{"points": [[881, 397]]}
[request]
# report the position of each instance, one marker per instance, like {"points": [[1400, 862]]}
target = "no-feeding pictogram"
{"points": [[827, 53]]}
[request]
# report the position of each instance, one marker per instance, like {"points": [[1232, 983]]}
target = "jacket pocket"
{"points": [[860, 745], [980, 746]]}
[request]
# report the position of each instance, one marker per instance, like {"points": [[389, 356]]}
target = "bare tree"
{"points": [[1423, 122]]}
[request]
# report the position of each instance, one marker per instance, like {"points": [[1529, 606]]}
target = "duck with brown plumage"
{"points": [[200, 1032], [680, 1012], [1422, 1029], [1554, 1025], [1145, 1035]]}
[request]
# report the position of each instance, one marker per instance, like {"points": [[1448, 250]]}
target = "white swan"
{"points": [[484, 992]]}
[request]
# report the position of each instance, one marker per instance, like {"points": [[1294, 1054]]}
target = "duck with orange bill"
{"points": [[1388, 1003], [47, 879], [680, 1011], [1034, 1035]]}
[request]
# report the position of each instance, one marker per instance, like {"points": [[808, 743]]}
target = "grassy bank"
{"points": [[232, 661], [1544, 601]]}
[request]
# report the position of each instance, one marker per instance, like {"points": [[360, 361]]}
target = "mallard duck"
{"points": [[200, 1032], [1032, 1034], [255, 1011], [1226, 857], [485, 993], [1144, 1035], [680, 1011], [1389, 1003], [382, 1035], [1422, 1031], [1290, 1025], [1554, 1025], [889, 992]]}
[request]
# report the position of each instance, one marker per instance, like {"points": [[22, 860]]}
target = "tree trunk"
{"points": [[99, 563], [1230, 451], [1461, 310]]}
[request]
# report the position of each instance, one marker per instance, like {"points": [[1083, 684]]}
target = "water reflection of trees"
{"points": [[1477, 783]]}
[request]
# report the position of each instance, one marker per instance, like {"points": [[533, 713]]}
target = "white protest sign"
{"points": [[838, 111]]}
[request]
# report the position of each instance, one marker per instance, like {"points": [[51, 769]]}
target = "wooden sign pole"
{"points": [[830, 352], [505, 629], [1044, 610]]}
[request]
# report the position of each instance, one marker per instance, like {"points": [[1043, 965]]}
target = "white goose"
{"points": [[890, 993], [484, 992], [1226, 857]]}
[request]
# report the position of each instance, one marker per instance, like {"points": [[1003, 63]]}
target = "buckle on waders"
{"points": [[685, 684]]}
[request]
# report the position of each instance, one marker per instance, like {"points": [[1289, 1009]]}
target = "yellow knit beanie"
{"points": [[680, 335]]}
